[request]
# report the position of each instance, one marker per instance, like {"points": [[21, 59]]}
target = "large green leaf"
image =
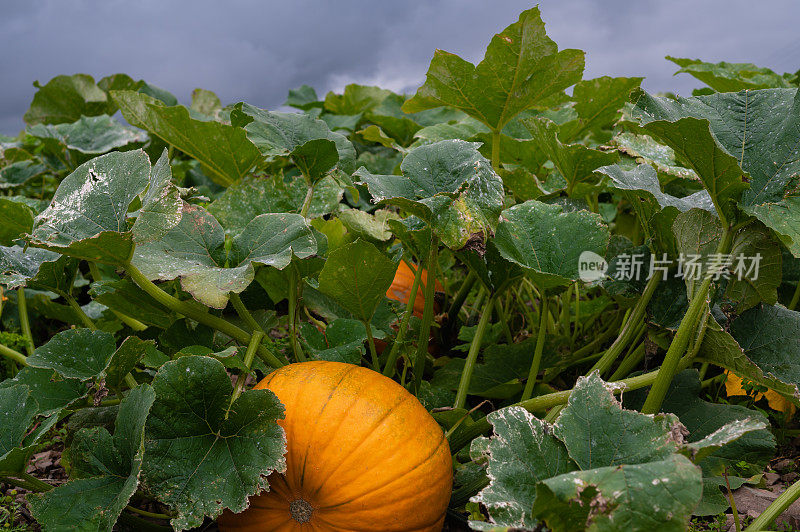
{"points": [[762, 346], [341, 341], [91, 135], [522, 67], [16, 219], [75, 353], [355, 99], [598, 432], [299, 136], [52, 393], [205, 102], [357, 276], [17, 410], [20, 172], [632, 497], [752, 268], [88, 216], [599, 467], [548, 242], [449, 185], [107, 469], [202, 453], [195, 251], [224, 151], [643, 180], [66, 99], [718, 170], [730, 77], [721, 436], [597, 103], [575, 162], [645, 149], [161, 204], [36, 268], [254, 195], [521, 453], [304, 97], [759, 127], [126, 297]]}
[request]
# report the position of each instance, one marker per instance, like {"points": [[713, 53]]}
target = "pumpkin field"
{"points": [[515, 299]]}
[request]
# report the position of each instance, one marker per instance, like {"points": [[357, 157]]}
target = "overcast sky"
{"points": [[255, 50]]}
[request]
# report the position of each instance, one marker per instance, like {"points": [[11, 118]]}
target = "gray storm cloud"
{"points": [[256, 50]]}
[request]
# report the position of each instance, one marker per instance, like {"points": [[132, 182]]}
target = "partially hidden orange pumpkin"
{"points": [[402, 284], [733, 386], [362, 455]]}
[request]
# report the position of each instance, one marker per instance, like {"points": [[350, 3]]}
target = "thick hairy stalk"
{"points": [[686, 330], [388, 370], [461, 296], [775, 509], [14, 355], [243, 313], [199, 315], [249, 355], [472, 356], [24, 323], [376, 365], [86, 320], [294, 290], [630, 328], [427, 315], [537, 354]]}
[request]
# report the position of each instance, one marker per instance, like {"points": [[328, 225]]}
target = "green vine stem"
{"points": [[537, 354], [629, 362], [503, 318], [476, 304], [14, 355], [376, 365], [576, 330], [307, 201], [630, 327], [200, 316], [249, 355], [391, 361], [133, 323], [775, 509], [145, 513], [688, 325], [461, 296], [130, 381], [294, 288], [795, 298], [86, 320], [550, 400], [427, 314], [472, 356], [243, 313], [24, 323]]}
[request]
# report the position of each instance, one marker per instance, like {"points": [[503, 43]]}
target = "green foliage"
{"points": [[138, 263]]}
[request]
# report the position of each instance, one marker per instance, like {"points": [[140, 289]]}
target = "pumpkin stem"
{"points": [[301, 510]]}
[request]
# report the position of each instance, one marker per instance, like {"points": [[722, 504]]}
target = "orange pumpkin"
{"points": [[362, 455], [401, 288], [733, 386]]}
